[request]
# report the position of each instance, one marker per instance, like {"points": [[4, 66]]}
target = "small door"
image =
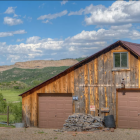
{"points": [[129, 110], [54, 110]]}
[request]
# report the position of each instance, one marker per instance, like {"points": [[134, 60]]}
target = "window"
{"points": [[120, 59]]}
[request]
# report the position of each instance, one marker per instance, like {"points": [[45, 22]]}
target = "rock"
{"points": [[105, 129], [81, 122]]}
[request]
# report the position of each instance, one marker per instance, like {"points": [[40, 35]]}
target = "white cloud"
{"points": [[5, 34], [24, 16], [64, 2], [47, 21], [83, 43], [80, 12], [120, 12], [42, 5], [19, 40], [12, 21], [10, 10], [71, 48], [33, 40], [13, 58], [53, 16]]}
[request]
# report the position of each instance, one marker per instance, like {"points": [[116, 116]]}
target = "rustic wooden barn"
{"points": [[96, 81]]}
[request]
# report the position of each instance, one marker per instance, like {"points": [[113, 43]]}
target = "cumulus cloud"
{"points": [[120, 12], [53, 16], [83, 43], [11, 10], [12, 21], [64, 2], [5, 34], [33, 40]]}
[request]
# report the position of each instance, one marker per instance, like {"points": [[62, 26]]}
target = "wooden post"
{"points": [[7, 115]]}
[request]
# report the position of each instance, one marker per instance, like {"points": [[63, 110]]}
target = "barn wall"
{"points": [[100, 81], [94, 83]]}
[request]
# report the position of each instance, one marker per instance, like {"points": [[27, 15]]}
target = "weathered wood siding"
{"points": [[94, 83]]}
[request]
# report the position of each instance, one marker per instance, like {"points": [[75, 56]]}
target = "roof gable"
{"points": [[133, 47]]}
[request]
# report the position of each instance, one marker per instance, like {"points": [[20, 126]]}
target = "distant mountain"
{"points": [[39, 64], [31, 73]]}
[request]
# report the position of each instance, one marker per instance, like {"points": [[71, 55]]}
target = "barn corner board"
{"points": [[93, 80]]}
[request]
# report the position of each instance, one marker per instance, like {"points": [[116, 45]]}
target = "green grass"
{"points": [[3, 118], [11, 95], [3, 125], [81, 58], [40, 132]]}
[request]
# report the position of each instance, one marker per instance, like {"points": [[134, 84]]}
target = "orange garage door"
{"points": [[129, 109], [54, 110]]}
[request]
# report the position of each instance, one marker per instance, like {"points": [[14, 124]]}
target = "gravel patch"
{"points": [[49, 134]]}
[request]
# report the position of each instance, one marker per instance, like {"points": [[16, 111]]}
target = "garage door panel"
{"points": [[60, 115], [133, 94], [54, 110], [43, 123], [133, 104], [59, 105], [134, 124], [133, 114], [123, 123], [128, 109], [123, 113], [122, 103], [51, 123], [51, 106]]}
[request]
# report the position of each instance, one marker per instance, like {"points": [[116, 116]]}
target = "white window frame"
{"points": [[120, 61]]}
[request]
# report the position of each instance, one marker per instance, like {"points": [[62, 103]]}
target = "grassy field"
{"points": [[3, 125], [3, 118], [11, 95]]}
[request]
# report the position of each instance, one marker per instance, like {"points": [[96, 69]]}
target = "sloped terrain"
{"points": [[30, 76], [39, 64]]}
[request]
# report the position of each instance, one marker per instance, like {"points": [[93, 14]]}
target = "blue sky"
{"points": [[53, 30]]}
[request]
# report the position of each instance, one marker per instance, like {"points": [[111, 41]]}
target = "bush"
{"points": [[2, 104], [16, 87], [17, 112]]}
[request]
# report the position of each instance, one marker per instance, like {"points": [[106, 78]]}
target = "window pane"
{"points": [[117, 59], [123, 59]]}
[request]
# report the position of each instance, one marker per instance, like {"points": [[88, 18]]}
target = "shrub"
{"points": [[2, 104], [17, 112], [16, 87]]}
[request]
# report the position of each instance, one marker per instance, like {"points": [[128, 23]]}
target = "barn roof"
{"points": [[133, 47]]}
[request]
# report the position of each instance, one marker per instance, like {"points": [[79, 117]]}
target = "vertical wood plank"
{"points": [[139, 71], [95, 75], [76, 90], [72, 89], [86, 88]]}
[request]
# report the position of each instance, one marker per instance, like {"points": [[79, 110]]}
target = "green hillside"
{"points": [[80, 58], [29, 76]]}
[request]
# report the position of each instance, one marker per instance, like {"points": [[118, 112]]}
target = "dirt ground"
{"points": [[49, 134]]}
